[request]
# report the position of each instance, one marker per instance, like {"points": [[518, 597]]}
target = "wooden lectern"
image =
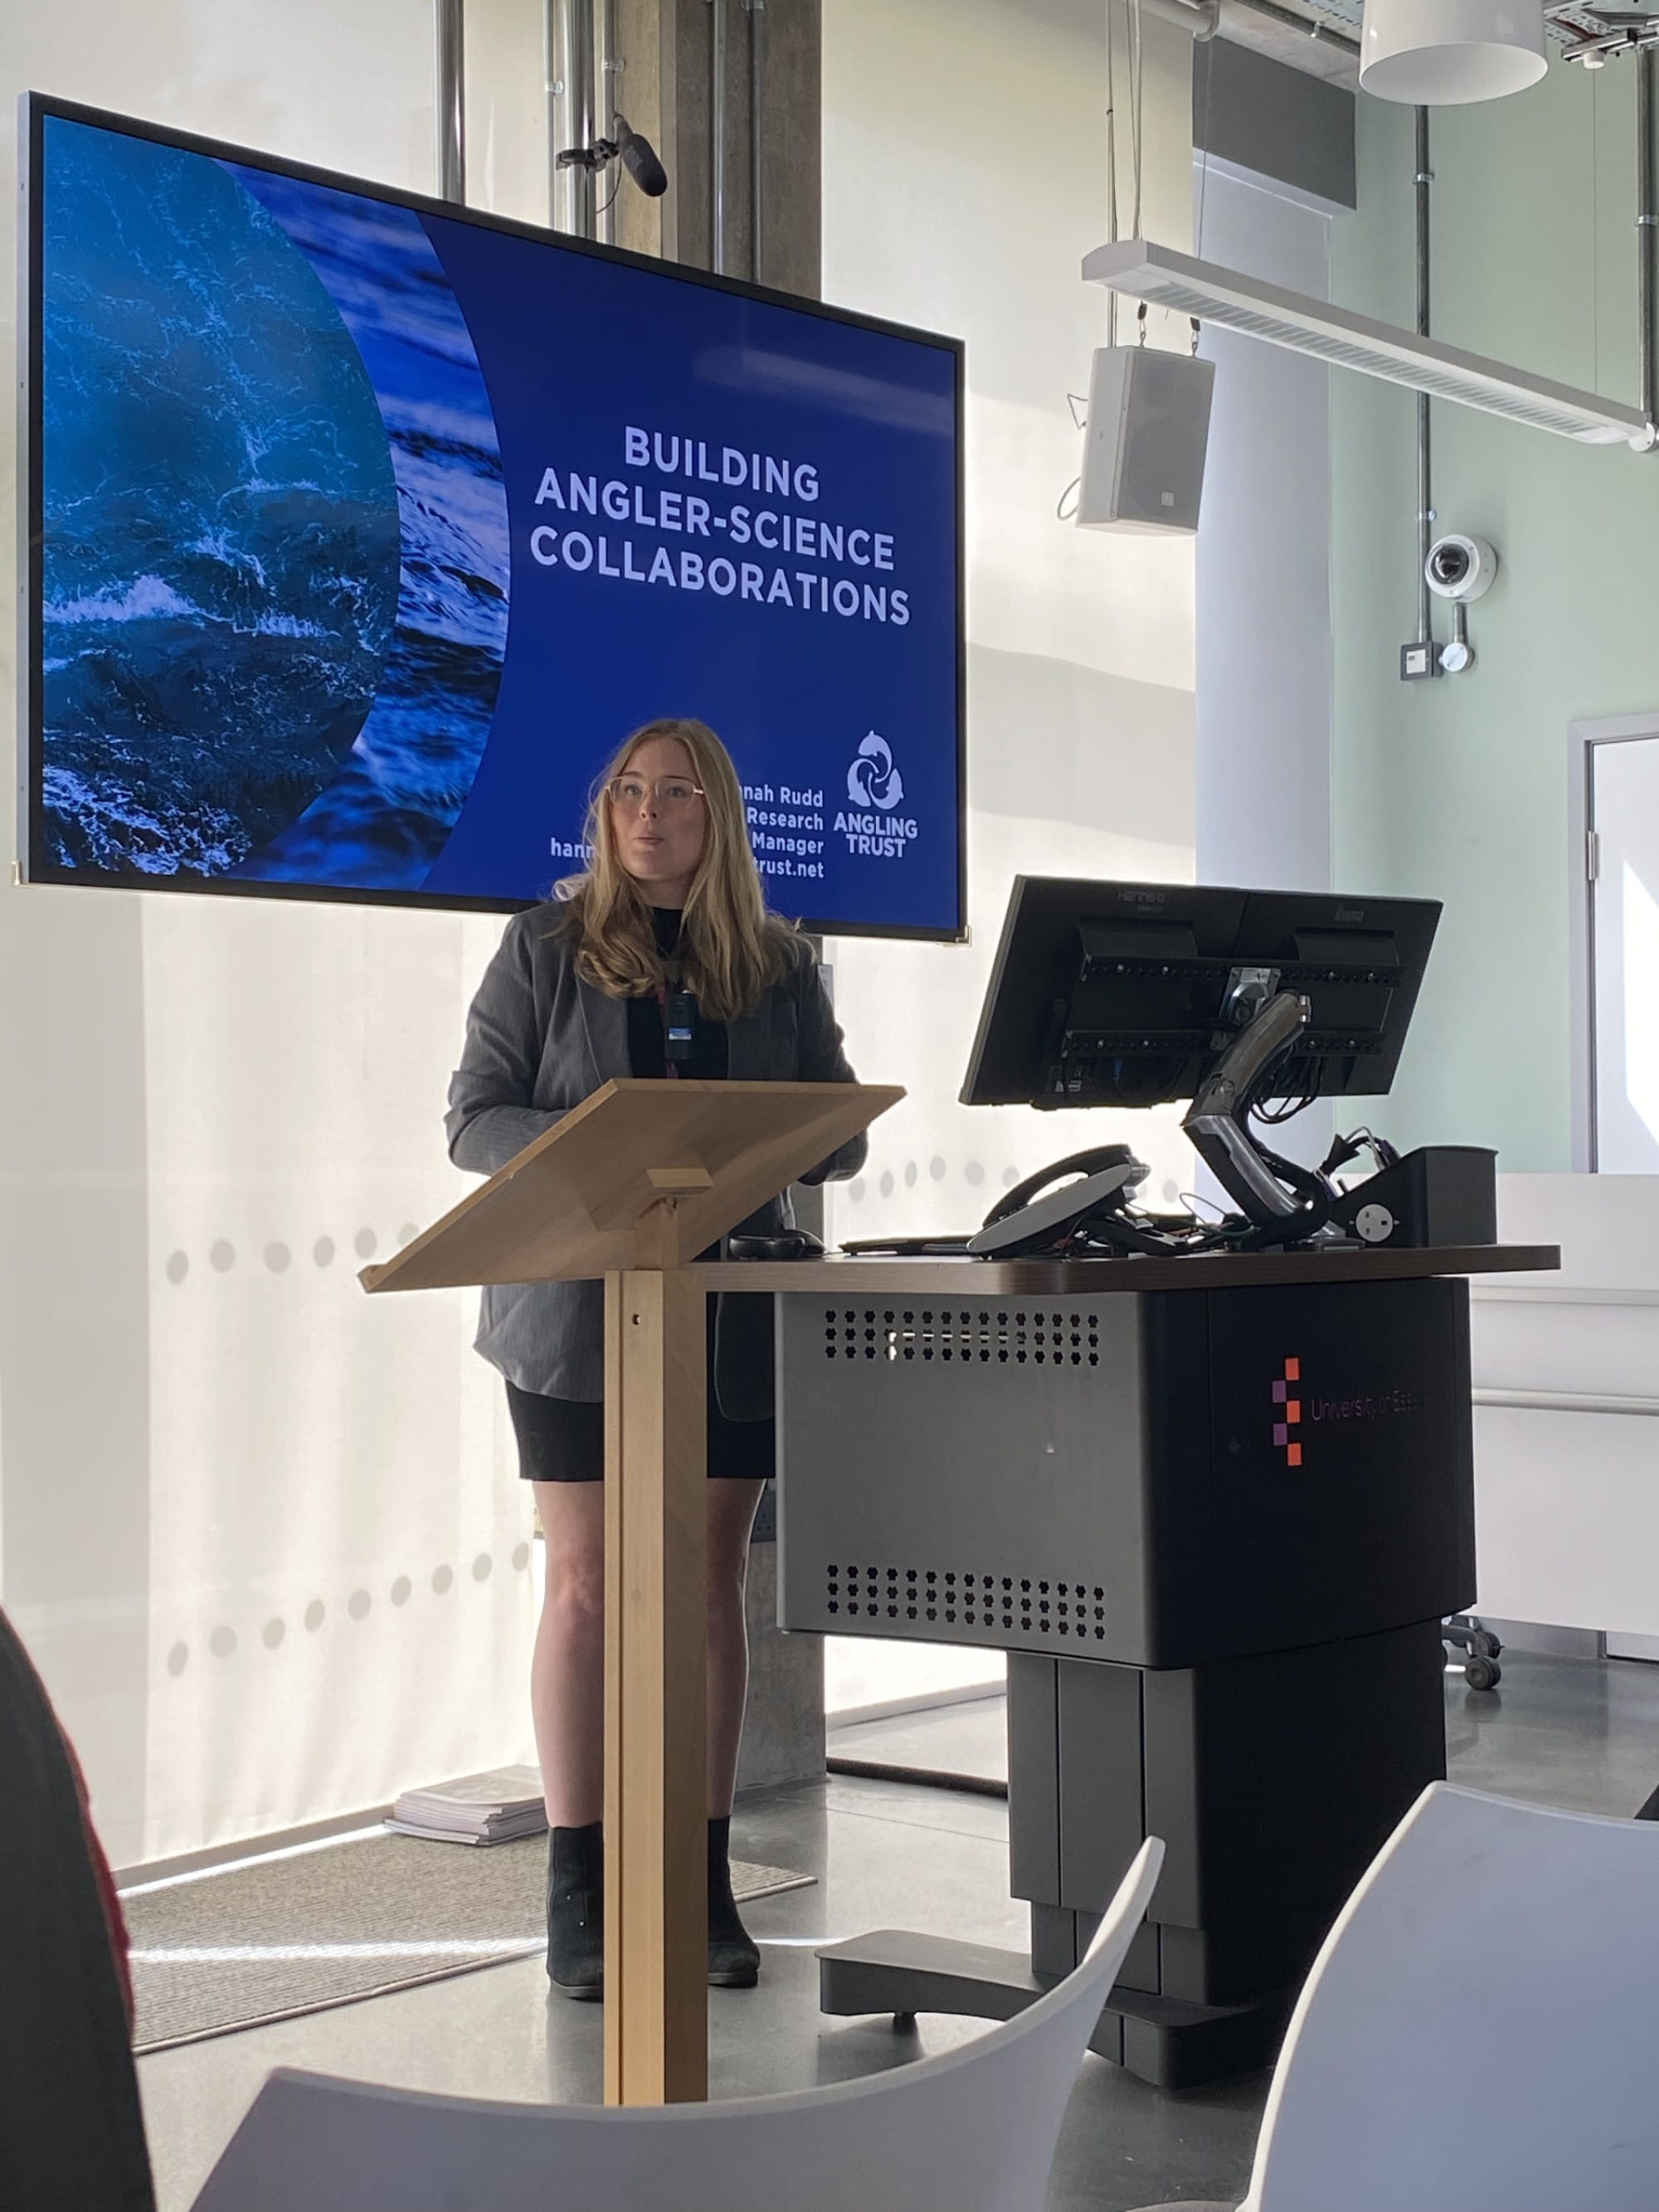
{"points": [[631, 1185]]}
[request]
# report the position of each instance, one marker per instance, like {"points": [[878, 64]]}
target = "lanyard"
{"points": [[679, 1014]]}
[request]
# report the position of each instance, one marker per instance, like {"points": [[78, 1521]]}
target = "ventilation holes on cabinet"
{"points": [[976, 1598], [963, 1336]]}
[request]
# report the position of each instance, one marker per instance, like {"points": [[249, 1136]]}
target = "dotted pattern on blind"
{"points": [[952, 1596], [984, 1336]]}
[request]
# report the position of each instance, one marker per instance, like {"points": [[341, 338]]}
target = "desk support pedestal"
{"points": [[1247, 1768], [1174, 2045], [1216, 1533]]}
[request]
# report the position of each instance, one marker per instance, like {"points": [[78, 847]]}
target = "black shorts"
{"points": [[563, 1439]]}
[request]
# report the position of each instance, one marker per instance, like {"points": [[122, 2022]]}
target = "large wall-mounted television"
{"points": [[362, 528]]}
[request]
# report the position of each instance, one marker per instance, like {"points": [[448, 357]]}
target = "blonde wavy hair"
{"points": [[733, 949]]}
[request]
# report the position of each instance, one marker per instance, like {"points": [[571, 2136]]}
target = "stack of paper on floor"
{"points": [[479, 1809]]}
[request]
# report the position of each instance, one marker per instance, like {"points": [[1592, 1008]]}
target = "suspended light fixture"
{"points": [[1444, 53], [1213, 294]]}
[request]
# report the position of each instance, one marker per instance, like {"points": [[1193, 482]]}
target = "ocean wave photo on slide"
{"points": [[220, 545], [275, 541], [383, 821]]}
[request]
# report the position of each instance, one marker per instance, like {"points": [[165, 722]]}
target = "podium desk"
{"points": [[631, 1187], [1214, 1509]]}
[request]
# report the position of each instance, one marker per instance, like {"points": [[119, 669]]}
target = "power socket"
{"points": [[1417, 661]]}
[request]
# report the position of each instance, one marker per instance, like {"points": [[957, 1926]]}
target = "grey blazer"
{"points": [[538, 1041]]}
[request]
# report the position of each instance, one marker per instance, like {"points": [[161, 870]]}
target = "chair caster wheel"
{"points": [[1482, 1674]]}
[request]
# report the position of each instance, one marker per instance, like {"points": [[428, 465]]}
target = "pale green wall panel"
{"points": [[1457, 789]]}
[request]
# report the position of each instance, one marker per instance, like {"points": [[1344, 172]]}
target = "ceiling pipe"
{"points": [[1199, 17], [1647, 234], [450, 25], [567, 52], [717, 139], [1323, 34], [607, 78], [1425, 487], [756, 135]]}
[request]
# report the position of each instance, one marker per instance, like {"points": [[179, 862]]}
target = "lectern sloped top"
{"points": [[644, 1174]]}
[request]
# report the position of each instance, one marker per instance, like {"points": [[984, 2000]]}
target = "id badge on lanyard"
{"points": [[679, 1015]]}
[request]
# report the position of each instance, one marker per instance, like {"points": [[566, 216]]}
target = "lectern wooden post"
{"points": [[631, 1186]]}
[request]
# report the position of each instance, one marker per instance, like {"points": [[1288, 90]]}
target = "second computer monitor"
{"points": [[1125, 995]]}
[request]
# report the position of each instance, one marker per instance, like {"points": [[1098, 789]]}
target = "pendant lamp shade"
{"points": [[1444, 53]]}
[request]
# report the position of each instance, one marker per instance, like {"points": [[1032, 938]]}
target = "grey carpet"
{"points": [[290, 1936]]}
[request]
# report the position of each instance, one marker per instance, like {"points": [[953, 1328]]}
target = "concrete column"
{"points": [[665, 89]]}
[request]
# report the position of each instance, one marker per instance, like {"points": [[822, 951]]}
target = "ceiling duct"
{"points": [[1201, 17], [1322, 41], [1213, 294]]}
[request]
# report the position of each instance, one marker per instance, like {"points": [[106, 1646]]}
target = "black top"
{"points": [[647, 1053]]}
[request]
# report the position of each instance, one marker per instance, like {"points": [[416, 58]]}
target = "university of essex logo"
{"points": [[1287, 1413], [872, 780]]}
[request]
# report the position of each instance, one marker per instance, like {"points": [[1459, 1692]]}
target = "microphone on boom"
{"points": [[639, 158]]}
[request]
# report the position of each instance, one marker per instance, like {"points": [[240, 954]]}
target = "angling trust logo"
{"points": [[877, 831], [872, 780]]}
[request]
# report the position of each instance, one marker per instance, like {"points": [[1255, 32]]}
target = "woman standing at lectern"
{"points": [[669, 919]]}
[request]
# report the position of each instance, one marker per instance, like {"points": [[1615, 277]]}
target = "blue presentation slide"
{"points": [[369, 534]]}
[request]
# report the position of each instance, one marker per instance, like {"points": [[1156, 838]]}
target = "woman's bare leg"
{"points": [[731, 1507], [566, 1673], [567, 1686]]}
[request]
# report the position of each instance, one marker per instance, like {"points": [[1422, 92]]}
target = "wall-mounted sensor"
{"points": [[1460, 569]]}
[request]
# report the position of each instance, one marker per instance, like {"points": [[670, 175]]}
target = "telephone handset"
{"points": [[1025, 1221]]}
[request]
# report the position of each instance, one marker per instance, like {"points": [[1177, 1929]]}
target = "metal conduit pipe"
{"points": [[717, 140], [1647, 234], [568, 48], [607, 78], [756, 132], [1322, 34], [450, 26], [1425, 491], [579, 80], [554, 107]]}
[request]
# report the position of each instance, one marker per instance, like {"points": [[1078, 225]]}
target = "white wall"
{"points": [[259, 1532], [1565, 1466], [964, 176]]}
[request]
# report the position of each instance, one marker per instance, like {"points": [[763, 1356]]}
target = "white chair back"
{"points": [[973, 2130], [1480, 2030]]}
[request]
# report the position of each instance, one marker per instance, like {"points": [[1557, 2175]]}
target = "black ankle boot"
{"points": [[575, 1910], [733, 1955]]}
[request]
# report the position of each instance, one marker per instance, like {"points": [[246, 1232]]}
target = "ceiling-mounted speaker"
{"points": [[1445, 54], [1143, 449]]}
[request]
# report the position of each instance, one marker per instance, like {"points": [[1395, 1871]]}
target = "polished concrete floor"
{"points": [[1569, 1732]]}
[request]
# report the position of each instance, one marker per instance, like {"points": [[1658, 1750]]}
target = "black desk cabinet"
{"points": [[1216, 1529]]}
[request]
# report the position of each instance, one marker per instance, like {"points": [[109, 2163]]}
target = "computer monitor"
{"points": [[1126, 994]]}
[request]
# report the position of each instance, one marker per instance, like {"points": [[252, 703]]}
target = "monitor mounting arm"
{"points": [[1218, 1122]]}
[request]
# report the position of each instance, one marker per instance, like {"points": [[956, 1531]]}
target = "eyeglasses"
{"points": [[670, 792]]}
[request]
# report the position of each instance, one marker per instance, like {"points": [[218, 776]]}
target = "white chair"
{"points": [[1480, 2030], [973, 2130]]}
